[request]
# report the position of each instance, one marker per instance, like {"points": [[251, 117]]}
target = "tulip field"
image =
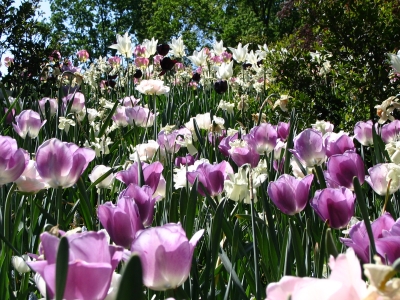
{"points": [[156, 174]]}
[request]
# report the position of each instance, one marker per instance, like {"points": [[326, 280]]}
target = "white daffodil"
{"points": [[65, 124], [282, 102], [123, 45], [224, 105], [385, 109], [240, 53], [177, 47], [395, 61], [198, 58]]}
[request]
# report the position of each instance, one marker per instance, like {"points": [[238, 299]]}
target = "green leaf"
{"points": [[330, 244], [298, 250], [131, 285], [62, 268], [191, 209]]}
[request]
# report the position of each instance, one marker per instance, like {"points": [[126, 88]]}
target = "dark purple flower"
{"points": [[187, 160], [221, 86], [163, 49], [167, 63], [138, 74], [289, 194], [336, 206]]}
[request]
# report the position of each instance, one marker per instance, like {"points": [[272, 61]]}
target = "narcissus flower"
{"points": [[166, 255], [61, 164]]}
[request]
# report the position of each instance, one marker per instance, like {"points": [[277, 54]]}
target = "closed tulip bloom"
{"points": [[19, 263], [28, 123], [363, 133], [283, 130], [309, 147], [89, 272], [140, 116], [379, 181], [358, 236], [78, 102], [210, 177], [12, 160], [265, 137], [391, 131], [152, 175], [166, 255], [337, 143], [53, 104], [289, 194], [122, 221], [244, 152], [61, 164], [343, 167], [99, 171], [334, 205]]}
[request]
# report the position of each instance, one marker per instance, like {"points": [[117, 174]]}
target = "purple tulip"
{"points": [[283, 130], [337, 143], [224, 146], [53, 105], [10, 115], [28, 123], [78, 101], [383, 229], [390, 131], [122, 221], [187, 160], [244, 152], [91, 264], [343, 167], [168, 140], [378, 180], [61, 164], [264, 137], [140, 116], [152, 175], [289, 194], [119, 117], [309, 147], [210, 177], [363, 133], [12, 160], [143, 197], [166, 255], [334, 205]]}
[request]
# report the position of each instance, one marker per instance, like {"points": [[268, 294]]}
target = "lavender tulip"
{"points": [[264, 137], [289, 194], [359, 240], [166, 255], [28, 123], [168, 140], [336, 206], [244, 152], [309, 147], [53, 104], [152, 175], [211, 177], [78, 102], [12, 160], [224, 146], [337, 143], [30, 180], [390, 132], [379, 181], [143, 197], [343, 167], [61, 164], [122, 221], [283, 130], [363, 133], [140, 116], [187, 160], [89, 272]]}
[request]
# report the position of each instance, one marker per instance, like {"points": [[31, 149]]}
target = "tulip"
{"points": [[89, 272], [150, 47], [168, 140], [390, 132], [119, 117], [30, 180], [152, 175], [203, 121], [379, 179], [152, 87], [83, 55], [122, 221], [78, 102], [225, 71], [337, 143], [145, 151], [344, 282], [99, 171], [289, 194], [240, 53], [12, 160], [123, 45], [221, 86], [265, 137], [210, 177], [224, 146], [343, 167], [10, 115], [334, 205], [138, 115], [187, 160], [163, 49], [28, 123], [309, 148], [244, 152], [177, 47], [19, 263], [61, 164], [283, 130], [166, 255], [359, 240], [198, 58], [363, 133]]}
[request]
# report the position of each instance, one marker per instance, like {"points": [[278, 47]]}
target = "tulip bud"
{"points": [[19, 263]]}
